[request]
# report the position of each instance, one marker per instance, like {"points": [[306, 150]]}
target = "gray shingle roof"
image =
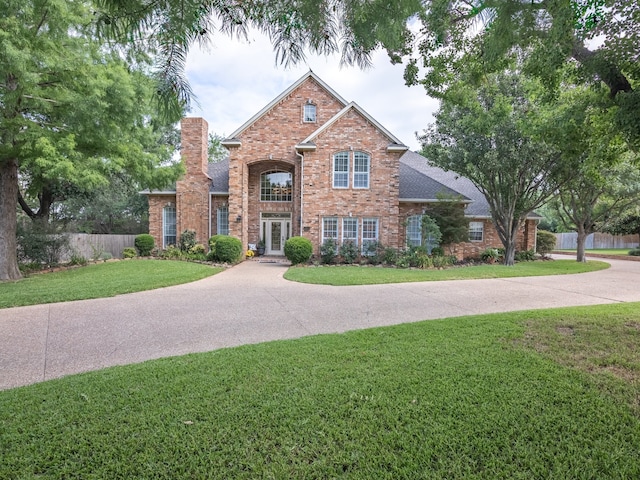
{"points": [[419, 180], [219, 174]]}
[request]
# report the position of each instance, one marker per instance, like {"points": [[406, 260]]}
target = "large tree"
{"points": [[70, 113], [490, 134], [601, 36], [606, 181]]}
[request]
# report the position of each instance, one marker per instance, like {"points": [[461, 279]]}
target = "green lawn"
{"points": [[356, 275], [540, 394], [100, 280]]}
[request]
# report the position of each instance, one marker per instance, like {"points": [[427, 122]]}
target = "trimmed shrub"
{"points": [[635, 252], [390, 256], [545, 242], [144, 244], [328, 251], [224, 249], [129, 252], [349, 252], [298, 250]]}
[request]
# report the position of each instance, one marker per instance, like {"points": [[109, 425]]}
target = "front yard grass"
{"points": [[100, 280], [540, 394], [356, 275]]}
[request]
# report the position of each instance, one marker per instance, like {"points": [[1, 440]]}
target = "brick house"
{"points": [[312, 164]]}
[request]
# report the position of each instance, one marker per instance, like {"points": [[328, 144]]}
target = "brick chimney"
{"points": [[195, 141]]}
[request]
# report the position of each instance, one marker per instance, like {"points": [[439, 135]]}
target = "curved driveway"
{"points": [[252, 303]]}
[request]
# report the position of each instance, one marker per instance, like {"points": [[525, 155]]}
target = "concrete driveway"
{"points": [[252, 303]]}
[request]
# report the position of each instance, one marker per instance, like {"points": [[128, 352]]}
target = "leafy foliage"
{"points": [[144, 244], [187, 240], [298, 250], [41, 244], [545, 242], [328, 251], [492, 136], [349, 252], [224, 248], [449, 215]]}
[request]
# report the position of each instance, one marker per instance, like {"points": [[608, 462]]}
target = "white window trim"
{"points": [[222, 212], [357, 226], [337, 224], [347, 172], [368, 240], [368, 172], [165, 234], [476, 230], [304, 113], [410, 240]]}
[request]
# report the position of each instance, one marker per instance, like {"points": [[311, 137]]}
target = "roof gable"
{"points": [[284, 94], [352, 107]]}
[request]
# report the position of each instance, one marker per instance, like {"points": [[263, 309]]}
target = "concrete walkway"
{"points": [[252, 303]]}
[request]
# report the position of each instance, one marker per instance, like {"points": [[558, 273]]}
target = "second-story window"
{"points": [[275, 187], [342, 170], [309, 114]]}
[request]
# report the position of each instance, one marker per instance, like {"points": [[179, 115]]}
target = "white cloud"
{"points": [[234, 79]]}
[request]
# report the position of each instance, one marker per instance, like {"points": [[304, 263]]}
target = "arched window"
{"points": [[275, 186], [168, 226]]}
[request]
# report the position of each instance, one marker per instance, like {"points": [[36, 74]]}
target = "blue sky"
{"points": [[234, 79]]}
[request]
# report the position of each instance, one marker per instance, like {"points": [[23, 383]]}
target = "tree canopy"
{"points": [[72, 112], [492, 135]]}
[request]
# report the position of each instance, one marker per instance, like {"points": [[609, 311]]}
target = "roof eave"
{"points": [[231, 142]]}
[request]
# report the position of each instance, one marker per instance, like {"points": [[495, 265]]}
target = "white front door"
{"points": [[276, 232]]}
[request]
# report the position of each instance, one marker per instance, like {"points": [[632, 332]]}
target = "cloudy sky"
{"points": [[234, 79]]}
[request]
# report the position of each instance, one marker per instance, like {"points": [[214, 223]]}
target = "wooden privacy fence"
{"points": [[569, 241], [91, 246]]}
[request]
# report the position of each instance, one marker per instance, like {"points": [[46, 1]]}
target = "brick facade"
{"points": [[268, 144]]}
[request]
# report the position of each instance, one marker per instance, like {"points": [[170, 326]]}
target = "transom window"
{"points": [[309, 113], [168, 226], [275, 186], [476, 231], [342, 162]]}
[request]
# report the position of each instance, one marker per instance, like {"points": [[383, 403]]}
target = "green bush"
{"points": [[443, 261], [545, 242], [298, 250], [490, 255], [40, 244], [635, 252], [197, 249], [525, 256], [224, 248], [129, 252], [144, 244], [187, 240], [390, 256], [349, 252], [328, 251], [375, 253]]}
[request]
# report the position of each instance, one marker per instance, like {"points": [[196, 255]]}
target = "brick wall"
{"points": [[192, 191], [268, 144]]}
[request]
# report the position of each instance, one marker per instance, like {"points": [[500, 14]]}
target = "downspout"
{"points": [[301, 155], [209, 217]]}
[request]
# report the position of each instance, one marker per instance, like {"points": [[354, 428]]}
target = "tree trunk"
{"points": [[8, 220], [582, 239], [510, 252]]}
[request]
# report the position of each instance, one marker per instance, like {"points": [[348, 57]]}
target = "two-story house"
{"points": [[312, 164]]}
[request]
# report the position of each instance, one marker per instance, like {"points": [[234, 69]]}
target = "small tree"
{"points": [[431, 235], [144, 243], [545, 242], [448, 214]]}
